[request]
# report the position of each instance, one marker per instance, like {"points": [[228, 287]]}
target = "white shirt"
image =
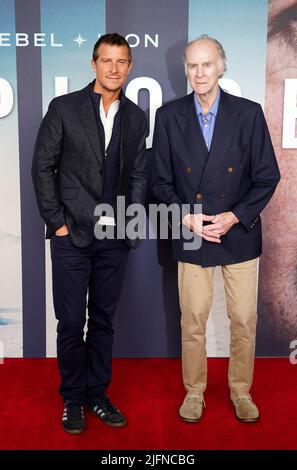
{"points": [[107, 122]]}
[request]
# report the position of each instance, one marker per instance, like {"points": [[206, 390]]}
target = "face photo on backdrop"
{"points": [[277, 277]]}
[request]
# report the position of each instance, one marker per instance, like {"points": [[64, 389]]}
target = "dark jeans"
{"points": [[96, 270]]}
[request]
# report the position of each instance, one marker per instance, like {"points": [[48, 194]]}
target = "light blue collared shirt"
{"points": [[207, 121]]}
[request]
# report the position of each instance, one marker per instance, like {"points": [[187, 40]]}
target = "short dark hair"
{"points": [[114, 39]]}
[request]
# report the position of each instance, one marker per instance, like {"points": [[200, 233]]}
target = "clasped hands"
{"points": [[219, 225]]}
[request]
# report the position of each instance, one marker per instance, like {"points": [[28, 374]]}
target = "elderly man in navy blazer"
{"points": [[214, 148]]}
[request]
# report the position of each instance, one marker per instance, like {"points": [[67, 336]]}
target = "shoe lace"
{"points": [[74, 410], [200, 398], [246, 396], [107, 407]]}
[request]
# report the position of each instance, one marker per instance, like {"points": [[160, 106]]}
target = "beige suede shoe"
{"points": [[191, 410], [245, 409]]}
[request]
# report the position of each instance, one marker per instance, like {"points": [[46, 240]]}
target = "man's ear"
{"points": [[130, 67], [93, 63]]}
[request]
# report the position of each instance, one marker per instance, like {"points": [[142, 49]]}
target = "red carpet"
{"points": [[149, 392]]}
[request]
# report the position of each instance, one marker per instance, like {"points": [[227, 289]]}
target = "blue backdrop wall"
{"points": [[45, 50]]}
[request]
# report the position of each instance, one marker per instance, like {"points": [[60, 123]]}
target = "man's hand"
{"points": [[62, 231], [221, 224], [194, 222]]}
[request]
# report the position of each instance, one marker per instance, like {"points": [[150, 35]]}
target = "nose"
{"points": [[199, 71], [114, 67]]}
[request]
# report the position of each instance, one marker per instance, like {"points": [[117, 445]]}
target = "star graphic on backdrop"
{"points": [[79, 40]]}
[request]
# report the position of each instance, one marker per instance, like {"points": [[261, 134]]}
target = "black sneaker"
{"points": [[108, 413], [73, 420]]}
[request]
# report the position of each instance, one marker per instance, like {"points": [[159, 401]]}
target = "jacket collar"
{"points": [[87, 118], [194, 140]]}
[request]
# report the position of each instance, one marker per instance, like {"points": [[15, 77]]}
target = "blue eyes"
{"points": [[204, 66], [120, 62]]}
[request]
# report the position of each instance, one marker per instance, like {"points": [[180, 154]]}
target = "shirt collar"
{"points": [[213, 110], [113, 109], [96, 97]]}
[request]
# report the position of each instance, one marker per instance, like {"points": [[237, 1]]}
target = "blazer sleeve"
{"points": [[45, 163], [163, 185], [137, 174], [264, 173]]}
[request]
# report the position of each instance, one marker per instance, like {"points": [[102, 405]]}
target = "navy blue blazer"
{"points": [[238, 174]]}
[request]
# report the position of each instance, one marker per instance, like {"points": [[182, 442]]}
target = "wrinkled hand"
{"points": [[221, 224], [194, 222]]}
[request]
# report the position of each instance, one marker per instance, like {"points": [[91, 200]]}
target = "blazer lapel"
{"points": [[191, 132], [88, 121], [127, 126], [224, 127]]}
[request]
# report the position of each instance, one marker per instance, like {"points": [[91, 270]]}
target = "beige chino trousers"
{"points": [[196, 293]]}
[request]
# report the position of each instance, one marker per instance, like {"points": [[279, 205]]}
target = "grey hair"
{"points": [[218, 45]]}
